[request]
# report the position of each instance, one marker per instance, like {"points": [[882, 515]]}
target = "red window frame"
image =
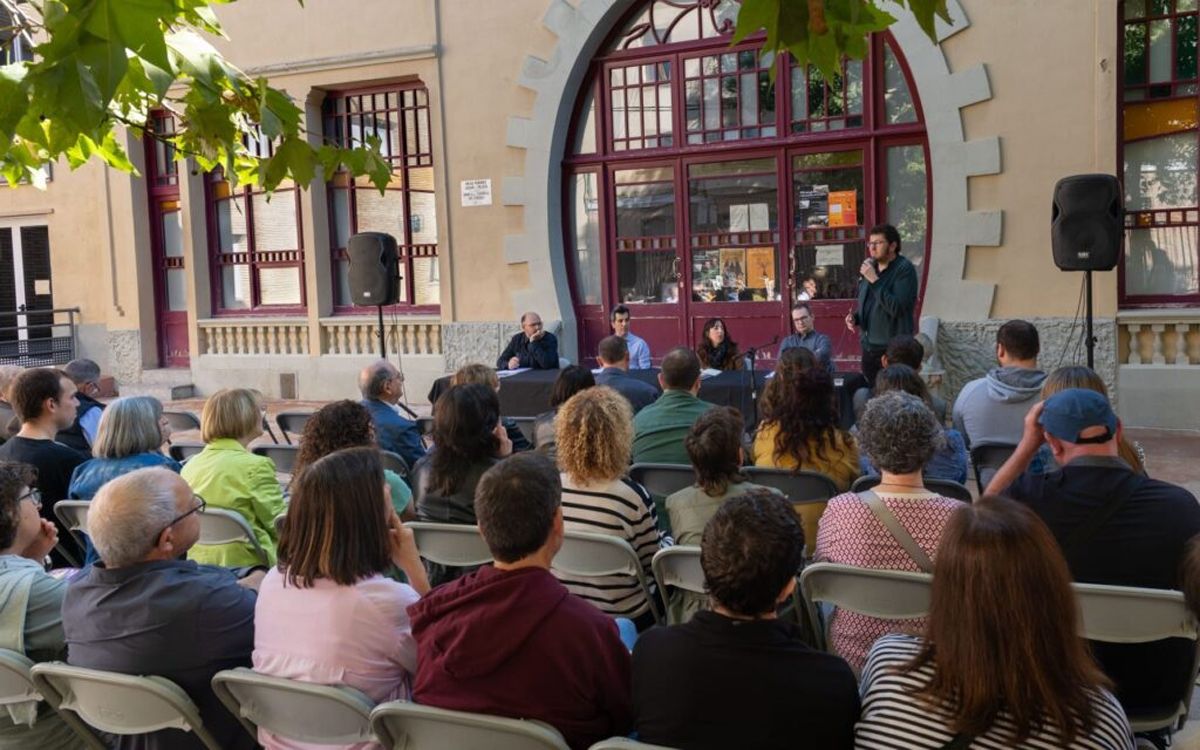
{"points": [[409, 151]]}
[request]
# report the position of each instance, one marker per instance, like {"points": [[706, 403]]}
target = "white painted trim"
{"points": [[33, 213], [349, 60]]}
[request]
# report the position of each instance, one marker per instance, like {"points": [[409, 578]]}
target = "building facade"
{"points": [[568, 156]]}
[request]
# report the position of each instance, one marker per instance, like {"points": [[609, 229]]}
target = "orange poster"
{"points": [[843, 208]]}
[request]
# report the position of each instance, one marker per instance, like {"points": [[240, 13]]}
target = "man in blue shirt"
{"points": [[806, 337], [382, 385], [639, 352], [614, 358]]}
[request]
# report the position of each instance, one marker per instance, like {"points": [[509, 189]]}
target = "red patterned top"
{"points": [[850, 534]]}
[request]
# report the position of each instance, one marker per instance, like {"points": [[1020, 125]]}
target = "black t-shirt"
{"points": [[55, 463], [1142, 544], [720, 683]]}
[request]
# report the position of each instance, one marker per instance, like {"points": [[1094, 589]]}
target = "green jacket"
{"points": [[228, 476], [659, 429], [888, 304]]}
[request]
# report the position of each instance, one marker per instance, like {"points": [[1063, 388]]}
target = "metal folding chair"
{"points": [[182, 451], [300, 711], [986, 459], [182, 420], [73, 514], [220, 526], [943, 487], [886, 594], [454, 545], [590, 555], [283, 456], [293, 422], [408, 726]]}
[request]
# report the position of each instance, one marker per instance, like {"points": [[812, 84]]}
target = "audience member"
{"points": [[560, 661], [468, 439], [614, 361], [894, 526], [660, 428], [1078, 376], [534, 347], [717, 350], [738, 676], [484, 375], [800, 432], [570, 380], [347, 424], [81, 434], [45, 401], [639, 351], [341, 536], [229, 476], [1000, 664], [1115, 526], [791, 363], [951, 460], [990, 410], [901, 350], [382, 387], [31, 601], [10, 423], [146, 611], [595, 431], [805, 336]]}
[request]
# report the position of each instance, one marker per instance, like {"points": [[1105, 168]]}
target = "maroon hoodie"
{"points": [[517, 644]]}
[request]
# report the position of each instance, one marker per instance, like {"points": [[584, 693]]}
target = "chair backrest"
{"points": [[985, 459], [292, 421], [663, 479], [887, 594], [592, 555], [395, 462], [624, 743], [73, 514], [425, 426], [220, 526], [801, 487], [677, 567], [16, 682], [452, 544], [408, 726], [300, 711], [284, 456], [119, 703], [182, 420], [526, 426], [182, 451], [944, 487]]}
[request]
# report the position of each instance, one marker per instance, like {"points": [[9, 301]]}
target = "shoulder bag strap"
{"points": [[1085, 531], [897, 530]]}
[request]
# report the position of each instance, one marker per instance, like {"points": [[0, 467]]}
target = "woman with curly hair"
{"points": [[347, 424], [791, 363], [799, 430], [595, 438], [717, 349]]}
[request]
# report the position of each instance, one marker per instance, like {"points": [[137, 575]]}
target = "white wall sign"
{"points": [[830, 255], [476, 193]]}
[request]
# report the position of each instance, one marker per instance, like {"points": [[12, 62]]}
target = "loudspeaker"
{"points": [[1085, 226], [374, 276]]}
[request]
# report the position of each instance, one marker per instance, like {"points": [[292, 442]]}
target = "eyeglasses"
{"points": [[33, 496], [198, 509], [877, 243]]}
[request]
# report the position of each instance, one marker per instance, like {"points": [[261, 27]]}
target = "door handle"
{"points": [[675, 268]]}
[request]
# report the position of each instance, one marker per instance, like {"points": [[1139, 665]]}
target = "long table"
{"points": [[527, 394]]}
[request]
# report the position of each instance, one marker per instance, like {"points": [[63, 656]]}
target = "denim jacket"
{"points": [[91, 475]]}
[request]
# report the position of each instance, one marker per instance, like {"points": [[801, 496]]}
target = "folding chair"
{"points": [[182, 451], [1126, 614], [220, 526], [943, 487], [278, 522], [454, 545], [408, 726], [624, 743], [293, 422], [301, 711], [590, 555], [396, 463], [663, 479], [119, 703], [526, 426], [425, 428], [677, 567], [73, 514], [799, 487], [284, 456], [182, 420], [986, 459], [16, 686], [887, 594]]}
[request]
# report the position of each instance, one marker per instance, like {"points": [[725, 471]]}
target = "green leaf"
{"points": [[13, 99], [293, 156]]}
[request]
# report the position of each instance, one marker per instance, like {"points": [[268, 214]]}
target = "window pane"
{"points": [[1135, 53], [421, 179], [1161, 260], [906, 206], [279, 286], [424, 218], [897, 101], [1185, 47], [739, 197], [426, 282], [1161, 172], [172, 231], [735, 274], [585, 225], [647, 277], [585, 131], [340, 200], [235, 287], [380, 213], [644, 208], [176, 289], [231, 226], [341, 271], [275, 222], [1160, 50], [831, 267]]}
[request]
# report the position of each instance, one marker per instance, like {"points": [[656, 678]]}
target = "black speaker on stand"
{"points": [[1086, 231], [374, 275]]}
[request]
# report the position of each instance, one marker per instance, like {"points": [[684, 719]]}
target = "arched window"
{"points": [[697, 187]]}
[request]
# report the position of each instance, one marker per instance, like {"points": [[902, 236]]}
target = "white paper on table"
{"points": [[739, 218], [598, 370], [830, 255], [708, 372], [509, 373], [760, 217], [769, 375]]}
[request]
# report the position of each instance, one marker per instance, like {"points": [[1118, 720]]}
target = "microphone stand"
{"points": [[751, 354]]}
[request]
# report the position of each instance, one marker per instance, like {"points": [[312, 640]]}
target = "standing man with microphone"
{"points": [[887, 297]]}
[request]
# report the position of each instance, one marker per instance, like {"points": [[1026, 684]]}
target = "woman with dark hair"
{"points": [[347, 424], [342, 534], [717, 350], [1001, 663], [948, 462], [468, 439], [570, 380], [800, 431], [791, 363]]}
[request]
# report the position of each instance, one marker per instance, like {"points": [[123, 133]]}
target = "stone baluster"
{"points": [[1156, 340], [1181, 344]]}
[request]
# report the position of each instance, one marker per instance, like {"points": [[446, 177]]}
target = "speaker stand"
{"points": [[1091, 339], [383, 335]]}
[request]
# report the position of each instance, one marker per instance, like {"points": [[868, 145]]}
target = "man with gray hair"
{"points": [[85, 374], [382, 386], [146, 610], [534, 347]]}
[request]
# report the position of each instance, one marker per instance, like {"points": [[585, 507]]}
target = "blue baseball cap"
{"points": [[1070, 412]]}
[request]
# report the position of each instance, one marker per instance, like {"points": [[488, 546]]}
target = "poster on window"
{"points": [[760, 265], [812, 206], [733, 267], [843, 208]]}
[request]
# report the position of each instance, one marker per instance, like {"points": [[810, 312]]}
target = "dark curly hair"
{"points": [[791, 363], [750, 549], [13, 476], [802, 411], [341, 424], [712, 445], [463, 420]]}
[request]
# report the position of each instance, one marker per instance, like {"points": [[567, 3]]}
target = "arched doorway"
{"points": [[697, 187]]}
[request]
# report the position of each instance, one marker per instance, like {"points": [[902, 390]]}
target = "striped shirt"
{"points": [[894, 717], [624, 509]]}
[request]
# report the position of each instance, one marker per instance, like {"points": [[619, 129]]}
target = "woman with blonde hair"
{"points": [[594, 431], [227, 475]]}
